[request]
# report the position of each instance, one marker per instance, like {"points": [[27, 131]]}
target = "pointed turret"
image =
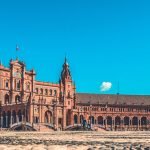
{"points": [[65, 74]]}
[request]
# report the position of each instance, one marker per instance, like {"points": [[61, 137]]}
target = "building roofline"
{"points": [[112, 94]]}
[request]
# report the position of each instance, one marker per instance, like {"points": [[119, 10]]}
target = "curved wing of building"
{"points": [[26, 101]]}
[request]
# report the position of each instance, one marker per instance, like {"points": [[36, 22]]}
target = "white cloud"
{"points": [[105, 86]]}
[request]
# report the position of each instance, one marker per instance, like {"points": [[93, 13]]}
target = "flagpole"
{"points": [[17, 48]]}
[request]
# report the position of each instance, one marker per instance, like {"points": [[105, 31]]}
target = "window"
{"points": [[51, 92], [7, 99], [7, 84], [41, 91], [18, 99], [18, 85], [69, 94], [68, 102], [55, 92], [46, 92]]}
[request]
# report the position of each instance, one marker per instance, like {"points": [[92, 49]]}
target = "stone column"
{"points": [[17, 120], [56, 118], [1, 122], [6, 121], [64, 117], [30, 113], [22, 118], [130, 123], [105, 122], [138, 123], [113, 123], [10, 120], [72, 119], [78, 121], [122, 120], [40, 119]]}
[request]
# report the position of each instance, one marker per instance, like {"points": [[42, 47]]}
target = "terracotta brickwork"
{"points": [[24, 100]]}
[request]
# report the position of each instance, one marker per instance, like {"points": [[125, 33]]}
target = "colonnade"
{"points": [[114, 122], [10, 117]]}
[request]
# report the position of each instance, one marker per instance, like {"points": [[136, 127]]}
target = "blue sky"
{"points": [[104, 40]]}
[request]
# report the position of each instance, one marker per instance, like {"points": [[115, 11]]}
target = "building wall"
{"points": [[24, 99]]}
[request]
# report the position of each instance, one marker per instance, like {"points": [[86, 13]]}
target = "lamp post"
{"points": [[33, 101]]}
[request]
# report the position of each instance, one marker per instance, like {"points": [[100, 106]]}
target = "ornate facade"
{"points": [[26, 102]]}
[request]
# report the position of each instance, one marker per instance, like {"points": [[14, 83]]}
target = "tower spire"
{"points": [[65, 74]]}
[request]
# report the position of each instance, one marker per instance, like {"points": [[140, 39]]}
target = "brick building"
{"points": [[31, 104]]}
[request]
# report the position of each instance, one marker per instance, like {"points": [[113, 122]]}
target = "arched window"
{"points": [[126, 120], [18, 99], [6, 84], [135, 121], [75, 119], [109, 120], [69, 94], [91, 119], [18, 85], [51, 92], [143, 121], [55, 92], [46, 91], [117, 120], [100, 120], [41, 91], [7, 99], [81, 119]]}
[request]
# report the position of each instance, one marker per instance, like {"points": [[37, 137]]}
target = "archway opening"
{"points": [[4, 119], [19, 116], [48, 117], [14, 120], [75, 119], [135, 121], [109, 120], [17, 99], [100, 120], [92, 120], [81, 119], [8, 118], [117, 120], [143, 121], [7, 99], [126, 121]]}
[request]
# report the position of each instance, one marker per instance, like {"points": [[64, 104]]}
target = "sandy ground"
{"points": [[75, 140]]}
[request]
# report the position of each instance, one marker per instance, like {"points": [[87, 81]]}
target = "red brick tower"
{"points": [[67, 89]]}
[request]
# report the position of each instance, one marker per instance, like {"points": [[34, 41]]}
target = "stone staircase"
{"points": [[42, 128]]}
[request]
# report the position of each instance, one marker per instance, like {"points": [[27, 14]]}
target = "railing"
{"points": [[74, 125]]}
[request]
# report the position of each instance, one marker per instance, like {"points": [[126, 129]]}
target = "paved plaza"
{"points": [[75, 140]]}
